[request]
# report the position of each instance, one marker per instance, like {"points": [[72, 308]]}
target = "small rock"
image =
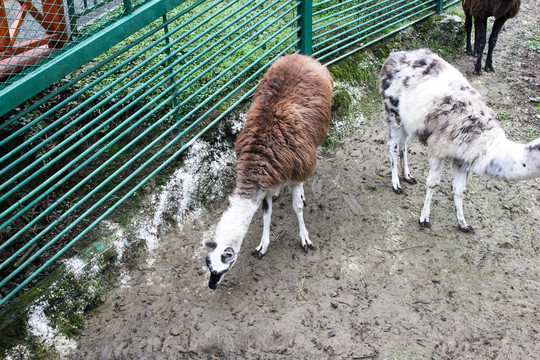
{"points": [[331, 334], [436, 280], [334, 305]]}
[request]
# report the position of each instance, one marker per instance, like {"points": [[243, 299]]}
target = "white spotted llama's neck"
{"points": [[513, 161]]}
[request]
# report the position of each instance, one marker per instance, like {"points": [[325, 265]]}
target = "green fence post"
{"points": [[72, 19], [305, 35], [127, 7], [439, 6]]}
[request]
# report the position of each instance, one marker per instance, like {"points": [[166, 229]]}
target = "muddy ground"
{"points": [[377, 286]]}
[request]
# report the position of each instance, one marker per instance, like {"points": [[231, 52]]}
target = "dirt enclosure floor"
{"points": [[377, 286]]}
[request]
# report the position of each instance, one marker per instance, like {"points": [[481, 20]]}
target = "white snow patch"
{"points": [[76, 266], [79, 267], [238, 123], [120, 240], [18, 352], [125, 279], [38, 325], [120, 243]]}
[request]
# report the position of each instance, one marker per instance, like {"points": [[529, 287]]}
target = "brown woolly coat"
{"points": [[483, 9], [288, 118]]}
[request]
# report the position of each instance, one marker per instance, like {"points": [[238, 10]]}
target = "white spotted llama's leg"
{"points": [[265, 240], [396, 136], [458, 184], [298, 206], [404, 162], [436, 167]]}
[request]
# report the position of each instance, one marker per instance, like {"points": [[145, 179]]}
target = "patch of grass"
{"points": [[444, 36], [354, 71], [534, 42], [502, 116], [533, 133]]}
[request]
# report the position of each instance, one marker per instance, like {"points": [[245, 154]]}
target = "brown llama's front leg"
{"points": [[497, 26]]}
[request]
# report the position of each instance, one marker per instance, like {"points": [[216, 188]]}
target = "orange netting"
{"points": [[39, 41]]}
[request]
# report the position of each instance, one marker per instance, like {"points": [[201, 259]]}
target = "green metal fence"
{"points": [[131, 95]]}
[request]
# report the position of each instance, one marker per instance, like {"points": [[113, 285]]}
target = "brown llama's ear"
{"points": [[211, 244]]}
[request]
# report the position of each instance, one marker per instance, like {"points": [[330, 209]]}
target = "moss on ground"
{"points": [[65, 297]]}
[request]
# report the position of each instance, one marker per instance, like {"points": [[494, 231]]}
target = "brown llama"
{"points": [[502, 10], [288, 119]]}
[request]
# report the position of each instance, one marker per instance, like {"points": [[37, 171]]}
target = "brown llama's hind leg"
{"points": [[480, 26], [468, 29]]}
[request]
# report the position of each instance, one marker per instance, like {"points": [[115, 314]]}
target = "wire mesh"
{"points": [[32, 31]]}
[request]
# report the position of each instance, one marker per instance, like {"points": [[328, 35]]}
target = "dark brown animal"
{"points": [[481, 10], [288, 119]]}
